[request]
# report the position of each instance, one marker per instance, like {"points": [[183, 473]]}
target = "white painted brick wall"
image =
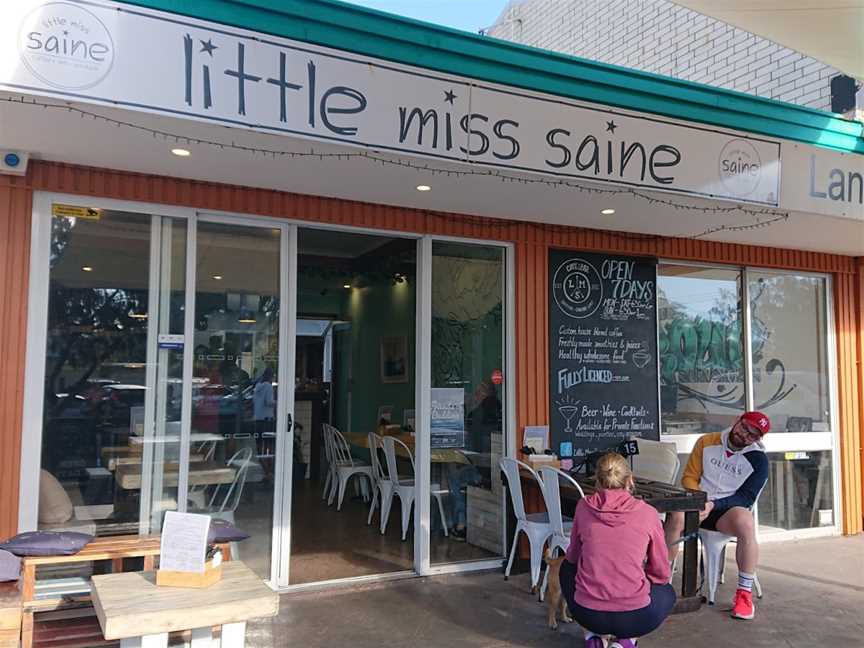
{"points": [[662, 37]]}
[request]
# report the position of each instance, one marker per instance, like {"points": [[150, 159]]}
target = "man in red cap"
{"points": [[732, 468]]}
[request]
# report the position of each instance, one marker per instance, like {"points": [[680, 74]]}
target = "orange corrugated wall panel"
{"points": [[532, 241], [847, 316], [15, 207]]}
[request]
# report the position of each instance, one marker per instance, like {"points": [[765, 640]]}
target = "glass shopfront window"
{"points": [[799, 493], [704, 383], [467, 422], [700, 329], [789, 342], [98, 309]]}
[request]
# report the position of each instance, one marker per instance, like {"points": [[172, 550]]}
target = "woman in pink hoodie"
{"points": [[616, 573]]}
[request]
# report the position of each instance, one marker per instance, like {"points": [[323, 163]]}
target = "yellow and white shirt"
{"points": [[730, 477]]}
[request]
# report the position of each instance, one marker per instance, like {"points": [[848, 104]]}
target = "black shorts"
{"points": [[631, 623], [710, 522]]}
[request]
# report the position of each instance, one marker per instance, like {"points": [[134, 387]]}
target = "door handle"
{"points": [[290, 423]]}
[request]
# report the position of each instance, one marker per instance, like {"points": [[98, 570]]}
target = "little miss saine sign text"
{"points": [[164, 63]]}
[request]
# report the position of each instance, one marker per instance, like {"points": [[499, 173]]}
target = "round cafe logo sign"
{"points": [[740, 168], [65, 46], [577, 288]]}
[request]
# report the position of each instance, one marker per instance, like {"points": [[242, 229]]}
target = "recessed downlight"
{"points": [[181, 152], [217, 277], [87, 268], [424, 188], [607, 212], [346, 286]]}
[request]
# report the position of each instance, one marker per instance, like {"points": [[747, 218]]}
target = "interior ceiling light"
{"points": [[87, 268], [607, 212], [181, 152], [138, 315], [217, 277], [424, 188], [346, 285]]}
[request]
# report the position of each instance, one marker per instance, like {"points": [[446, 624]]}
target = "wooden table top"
{"points": [[202, 473], [130, 604], [663, 497], [136, 460]]}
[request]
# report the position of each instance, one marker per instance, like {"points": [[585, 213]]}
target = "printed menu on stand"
{"points": [[603, 351], [184, 542]]}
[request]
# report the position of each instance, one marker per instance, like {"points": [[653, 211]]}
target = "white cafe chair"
{"points": [[404, 487], [223, 505], [714, 556], [382, 487], [344, 467], [561, 525], [535, 526]]}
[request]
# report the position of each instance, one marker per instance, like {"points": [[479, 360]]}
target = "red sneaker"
{"points": [[742, 607]]}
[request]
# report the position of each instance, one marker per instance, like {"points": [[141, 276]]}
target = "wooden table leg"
{"points": [[27, 629], [691, 558], [234, 635]]}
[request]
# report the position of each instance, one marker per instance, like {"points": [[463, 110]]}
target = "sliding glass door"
{"points": [[236, 433]]}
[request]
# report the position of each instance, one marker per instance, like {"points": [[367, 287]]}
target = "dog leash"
{"points": [[685, 538]]}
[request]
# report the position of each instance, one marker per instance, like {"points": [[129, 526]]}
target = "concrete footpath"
{"points": [[814, 596]]}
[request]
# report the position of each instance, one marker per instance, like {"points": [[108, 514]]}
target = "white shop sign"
{"points": [[119, 55], [822, 182]]}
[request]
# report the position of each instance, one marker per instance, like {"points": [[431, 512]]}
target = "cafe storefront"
{"points": [[237, 243]]}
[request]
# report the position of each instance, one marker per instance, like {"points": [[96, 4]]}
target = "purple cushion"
{"points": [[47, 543], [223, 531], [10, 566]]}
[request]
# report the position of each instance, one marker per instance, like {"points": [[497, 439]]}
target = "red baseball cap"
{"points": [[757, 420]]}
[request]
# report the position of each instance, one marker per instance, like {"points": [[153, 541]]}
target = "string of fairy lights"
{"points": [[762, 217]]}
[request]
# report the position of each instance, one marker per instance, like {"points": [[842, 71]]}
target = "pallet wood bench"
{"points": [[59, 601], [10, 615]]}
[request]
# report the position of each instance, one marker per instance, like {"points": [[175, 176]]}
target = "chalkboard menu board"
{"points": [[603, 351]]}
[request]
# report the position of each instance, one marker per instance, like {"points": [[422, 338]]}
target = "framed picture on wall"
{"points": [[394, 359]]}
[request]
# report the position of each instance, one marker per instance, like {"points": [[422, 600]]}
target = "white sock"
{"points": [[745, 581]]}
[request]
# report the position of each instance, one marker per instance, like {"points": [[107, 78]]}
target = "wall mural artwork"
{"points": [[702, 357]]}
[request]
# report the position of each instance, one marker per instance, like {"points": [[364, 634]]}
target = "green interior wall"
{"points": [[375, 312]]}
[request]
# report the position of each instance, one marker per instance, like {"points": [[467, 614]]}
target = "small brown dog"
{"points": [[554, 599]]}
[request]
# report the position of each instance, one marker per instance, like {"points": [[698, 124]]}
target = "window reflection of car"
{"points": [[73, 406], [241, 401], [115, 400]]}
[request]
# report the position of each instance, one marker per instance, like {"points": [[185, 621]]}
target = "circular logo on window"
{"points": [[65, 46], [740, 168], [577, 288]]}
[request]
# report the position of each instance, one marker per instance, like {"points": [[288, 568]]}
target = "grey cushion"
{"points": [[10, 566], [224, 531], [47, 543]]}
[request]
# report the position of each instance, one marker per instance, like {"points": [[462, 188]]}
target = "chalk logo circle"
{"points": [[577, 288], [65, 46], [740, 168]]}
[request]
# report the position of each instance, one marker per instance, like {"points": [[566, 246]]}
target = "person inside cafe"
{"points": [[482, 421], [732, 468], [615, 575], [264, 403]]}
